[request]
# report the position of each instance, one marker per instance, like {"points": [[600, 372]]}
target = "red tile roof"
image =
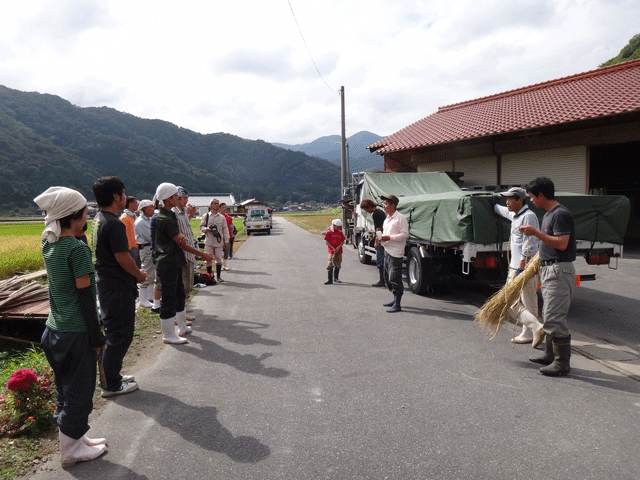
{"points": [[597, 93]]}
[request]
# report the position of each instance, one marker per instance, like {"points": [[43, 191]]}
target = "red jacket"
{"points": [[334, 238]]}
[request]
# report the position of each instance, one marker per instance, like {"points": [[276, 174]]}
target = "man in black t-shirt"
{"points": [[379, 216], [117, 280], [557, 274]]}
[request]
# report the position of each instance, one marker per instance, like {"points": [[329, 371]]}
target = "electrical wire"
{"points": [[305, 45]]}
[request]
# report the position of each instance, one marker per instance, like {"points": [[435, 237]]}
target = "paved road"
{"points": [[286, 378]]}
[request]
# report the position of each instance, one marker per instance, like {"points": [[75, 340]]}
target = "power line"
{"points": [[305, 45]]}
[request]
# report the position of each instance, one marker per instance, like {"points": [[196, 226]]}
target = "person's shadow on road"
{"points": [[89, 470], [197, 425], [241, 332], [246, 363]]}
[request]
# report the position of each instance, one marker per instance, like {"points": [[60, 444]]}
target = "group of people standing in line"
{"points": [[161, 252], [554, 240], [151, 256]]}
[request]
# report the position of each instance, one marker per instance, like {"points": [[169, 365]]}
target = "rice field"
{"points": [[312, 223], [20, 248]]}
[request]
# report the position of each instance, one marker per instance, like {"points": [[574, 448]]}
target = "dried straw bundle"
{"points": [[495, 310]]}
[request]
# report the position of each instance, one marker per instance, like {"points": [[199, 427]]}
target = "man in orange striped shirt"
{"points": [[128, 217]]}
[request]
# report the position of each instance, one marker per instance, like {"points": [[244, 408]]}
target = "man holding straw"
{"points": [[522, 249], [557, 274]]}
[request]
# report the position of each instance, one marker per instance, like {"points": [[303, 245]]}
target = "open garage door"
{"points": [[615, 170]]}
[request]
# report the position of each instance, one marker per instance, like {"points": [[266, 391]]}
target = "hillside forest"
{"points": [[46, 141]]}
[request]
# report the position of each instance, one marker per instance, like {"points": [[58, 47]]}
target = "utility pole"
{"points": [[343, 163], [343, 148]]}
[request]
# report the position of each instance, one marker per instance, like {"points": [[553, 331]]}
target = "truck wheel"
{"points": [[362, 254], [417, 273], [269, 232], [428, 275]]}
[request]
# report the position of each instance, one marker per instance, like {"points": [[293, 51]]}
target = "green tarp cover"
{"points": [[442, 213]]}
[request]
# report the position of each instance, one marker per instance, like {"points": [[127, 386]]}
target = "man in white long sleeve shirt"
{"points": [[395, 232], [522, 249]]}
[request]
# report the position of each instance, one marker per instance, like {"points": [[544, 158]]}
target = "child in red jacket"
{"points": [[334, 238]]}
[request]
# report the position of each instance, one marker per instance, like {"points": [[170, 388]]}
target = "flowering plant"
{"points": [[22, 380], [31, 401]]}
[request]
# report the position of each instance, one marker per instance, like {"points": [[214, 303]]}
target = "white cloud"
{"points": [[243, 68]]}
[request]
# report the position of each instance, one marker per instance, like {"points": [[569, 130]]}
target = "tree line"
{"points": [[45, 140]]}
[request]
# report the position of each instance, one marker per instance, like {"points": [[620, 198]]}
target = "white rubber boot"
{"points": [[93, 442], [525, 336], [73, 451], [144, 297], [169, 331], [183, 328], [224, 265], [531, 323]]}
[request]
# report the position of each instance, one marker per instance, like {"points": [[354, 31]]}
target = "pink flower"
{"points": [[21, 380]]}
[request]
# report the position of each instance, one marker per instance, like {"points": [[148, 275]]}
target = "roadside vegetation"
{"points": [[25, 442], [313, 222]]}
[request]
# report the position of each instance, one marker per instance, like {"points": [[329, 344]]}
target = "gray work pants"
{"points": [[557, 282]]}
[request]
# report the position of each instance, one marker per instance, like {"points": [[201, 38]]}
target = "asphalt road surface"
{"points": [[286, 378]]}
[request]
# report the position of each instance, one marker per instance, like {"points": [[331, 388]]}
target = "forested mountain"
{"points": [[46, 141], [360, 159], [630, 51]]}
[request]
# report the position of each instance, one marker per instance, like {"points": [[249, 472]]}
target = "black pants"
{"points": [[118, 312], [73, 362], [173, 294], [393, 274]]}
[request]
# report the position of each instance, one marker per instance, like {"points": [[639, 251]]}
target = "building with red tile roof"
{"points": [[582, 131]]}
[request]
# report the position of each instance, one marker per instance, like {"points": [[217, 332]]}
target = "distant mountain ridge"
{"points": [[360, 159], [46, 141]]}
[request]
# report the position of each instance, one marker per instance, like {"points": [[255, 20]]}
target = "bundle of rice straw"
{"points": [[495, 310]]}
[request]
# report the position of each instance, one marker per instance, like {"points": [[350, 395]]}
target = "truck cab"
{"points": [[259, 219]]}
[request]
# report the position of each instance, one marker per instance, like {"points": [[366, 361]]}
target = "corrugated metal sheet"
{"points": [[567, 167]]}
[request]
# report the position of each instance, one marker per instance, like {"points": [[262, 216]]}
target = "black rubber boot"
{"points": [[390, 304], [218, 271], [336, 272], [562, 352], [329, 276], [381, 281], [396, 305], [209, 269], [548, 356]]}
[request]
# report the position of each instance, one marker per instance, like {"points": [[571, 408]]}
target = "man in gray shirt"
{"points": [[557, 274]]}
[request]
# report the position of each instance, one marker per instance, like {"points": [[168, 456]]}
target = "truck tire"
{"points": [[417, 273], [269, 231], [362, 254], [428, 275]]}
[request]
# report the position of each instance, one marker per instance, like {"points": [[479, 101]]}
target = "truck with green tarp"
{"points": [[456, 231]]}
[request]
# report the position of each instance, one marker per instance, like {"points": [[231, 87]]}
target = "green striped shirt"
{"points": [[66, 260]]}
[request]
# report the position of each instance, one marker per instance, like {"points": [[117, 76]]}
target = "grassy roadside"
{"points": [[23, 455], [316, 222]]}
